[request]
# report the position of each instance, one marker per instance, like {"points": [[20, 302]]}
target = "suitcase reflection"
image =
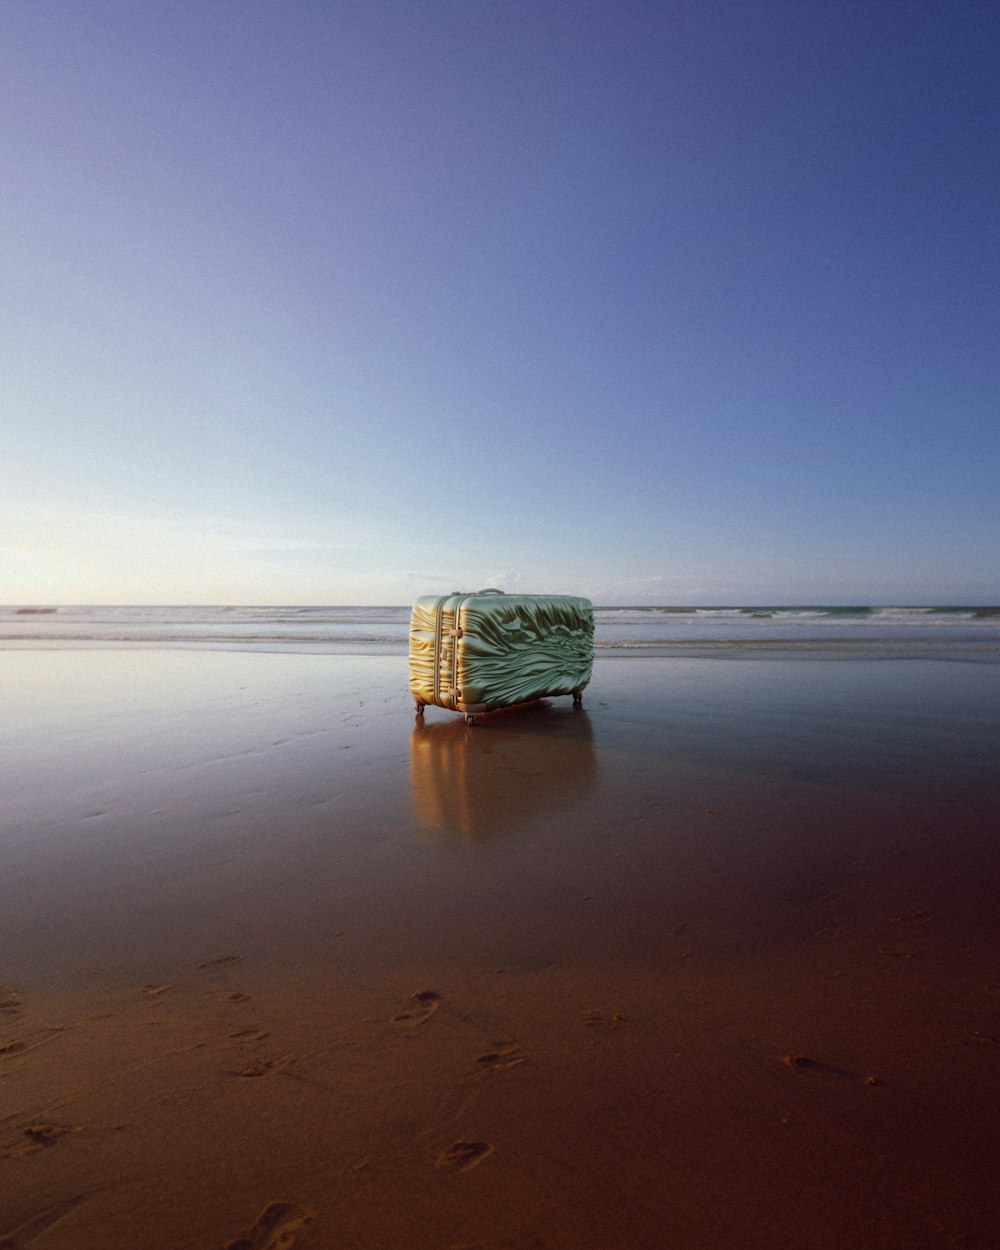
{"points": [[478, 782]]}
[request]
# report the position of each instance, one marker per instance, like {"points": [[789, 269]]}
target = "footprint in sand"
{"points": [[21, 1045], [803, 1063], [274, 1228], [594, 1018], [503, 1057], [426, 1002], [154, 991], [225, 962], [982, 1039], [10, 998], [461, 1156], [36, 1137], [245, 1036], [266, 1066]]}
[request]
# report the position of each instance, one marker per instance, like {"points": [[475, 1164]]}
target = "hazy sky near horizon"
{"points": [[331, 302]]}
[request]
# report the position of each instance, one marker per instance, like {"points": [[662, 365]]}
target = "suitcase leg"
{"points": [[469, 718], [577, 698], [420, 707]]}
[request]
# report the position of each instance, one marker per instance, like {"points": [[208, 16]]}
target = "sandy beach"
{"points": [[711, 962]]}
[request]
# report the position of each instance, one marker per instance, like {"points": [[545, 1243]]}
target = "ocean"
{"points": [[960, 632]]}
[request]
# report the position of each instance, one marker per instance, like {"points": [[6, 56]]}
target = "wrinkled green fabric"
{"points": [[512, 649]]}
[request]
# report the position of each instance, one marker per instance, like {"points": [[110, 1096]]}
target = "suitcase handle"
{"points": [[490, 590]]}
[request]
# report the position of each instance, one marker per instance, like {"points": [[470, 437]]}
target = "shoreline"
{"points": [[982, 651]]}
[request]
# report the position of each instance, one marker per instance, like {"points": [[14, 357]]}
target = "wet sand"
{"points": [[710, 963]]}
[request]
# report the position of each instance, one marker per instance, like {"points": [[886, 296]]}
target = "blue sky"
{"points": [[346, 302]]}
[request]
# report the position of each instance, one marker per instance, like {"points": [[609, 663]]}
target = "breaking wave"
{"points": [[382, 630]]}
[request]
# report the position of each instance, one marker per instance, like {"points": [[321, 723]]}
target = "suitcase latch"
{"points": [[455, 633]]}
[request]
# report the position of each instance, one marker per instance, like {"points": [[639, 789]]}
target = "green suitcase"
{"points": [[478, 652]]}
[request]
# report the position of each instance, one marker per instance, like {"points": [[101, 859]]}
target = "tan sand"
{"points": [[711, 963]]}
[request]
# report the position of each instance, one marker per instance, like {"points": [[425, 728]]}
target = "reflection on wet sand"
{"points": [[732, 983], [476, 781]]}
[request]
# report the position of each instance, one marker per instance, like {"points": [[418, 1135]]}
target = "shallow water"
{"points": [[965, 632]]}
